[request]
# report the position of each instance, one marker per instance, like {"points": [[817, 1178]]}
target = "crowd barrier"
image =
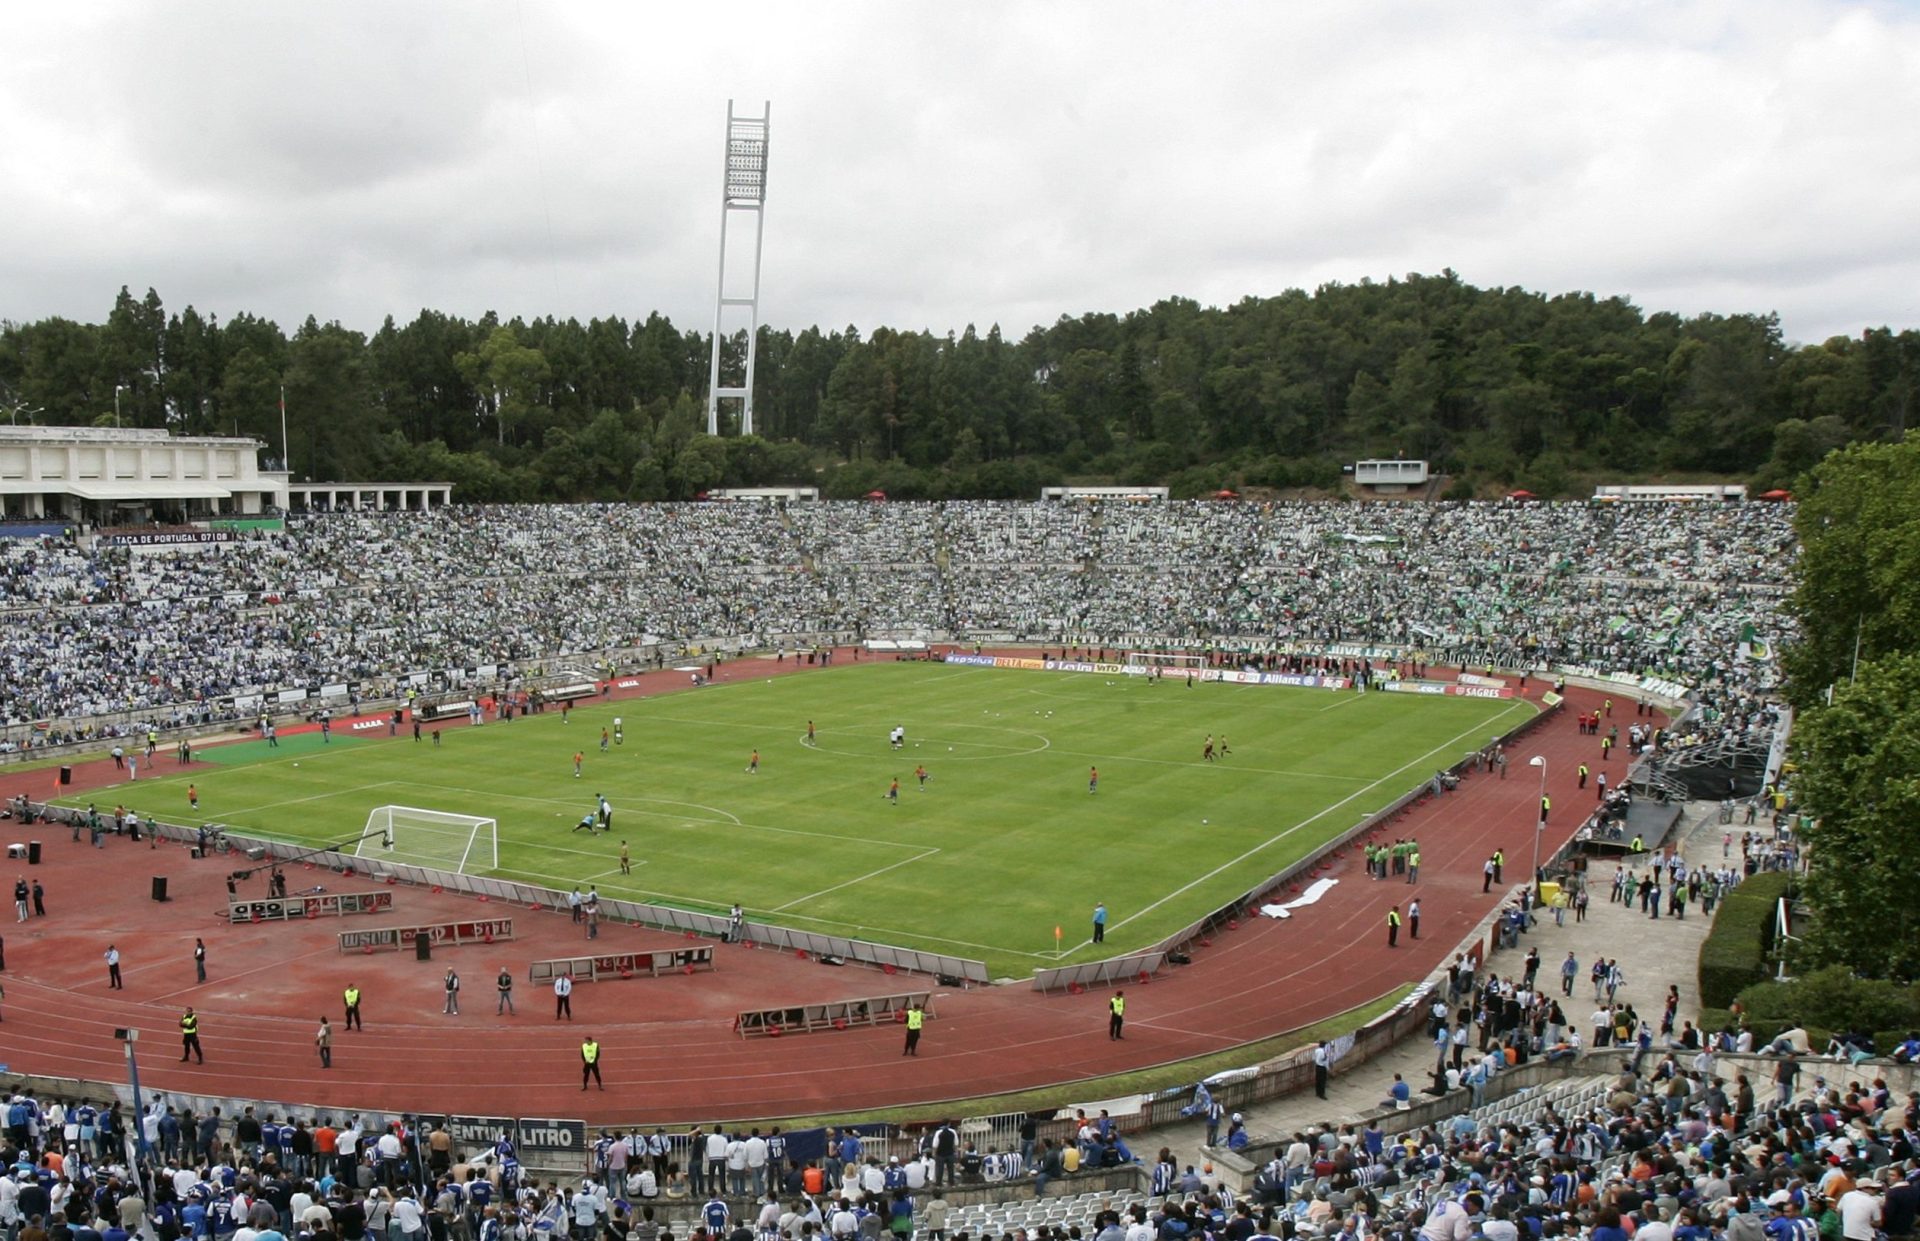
{"points": [[448, 709], [561, 693], [952, 971], [326, 904], [1137, 967], [623, 965], [440, 934], [883, 1010]]}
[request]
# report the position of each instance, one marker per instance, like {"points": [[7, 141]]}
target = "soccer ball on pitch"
{"points": [[1204, 822], [296, 764], [949, 749]]}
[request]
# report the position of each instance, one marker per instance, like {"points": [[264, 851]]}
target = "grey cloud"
{"points": [[935, 166]]}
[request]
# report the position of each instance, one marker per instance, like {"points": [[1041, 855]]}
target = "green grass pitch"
{"points": [[1003, 844]]}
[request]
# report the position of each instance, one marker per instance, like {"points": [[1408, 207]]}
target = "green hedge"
{"points": [[1834, 999], [1734, 954]]}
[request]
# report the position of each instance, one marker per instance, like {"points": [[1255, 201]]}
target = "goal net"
{"points": [[1165, 659], [433, 838]]}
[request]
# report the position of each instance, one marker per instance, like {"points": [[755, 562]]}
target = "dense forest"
{"points": [[1497, 387]]}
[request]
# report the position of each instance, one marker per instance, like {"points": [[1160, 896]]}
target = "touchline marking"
{"points": [[1219, 765], [624, 808], [592, 853], [554, 801], [295, 801], [1225, 866], [872, 874], [575, 880]]}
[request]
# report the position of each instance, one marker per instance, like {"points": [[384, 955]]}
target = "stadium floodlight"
{"points": [[1541, 827], [743, 187], [435, 839]]}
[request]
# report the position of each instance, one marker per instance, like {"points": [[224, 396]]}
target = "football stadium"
{"points": [[1399, 761], [994, 793]]}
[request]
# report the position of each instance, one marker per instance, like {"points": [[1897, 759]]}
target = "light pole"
{"points": [[141, 1152], [117, 390], [1540, 827]]}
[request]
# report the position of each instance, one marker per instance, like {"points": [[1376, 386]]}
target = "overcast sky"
{"points": [[938, 165]]}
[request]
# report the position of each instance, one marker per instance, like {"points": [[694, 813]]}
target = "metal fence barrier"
{"points": [[879, 1010], [623, 965]]}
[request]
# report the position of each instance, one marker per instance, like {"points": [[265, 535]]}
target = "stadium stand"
{"points": [[366, 599], [1674, 1142]]}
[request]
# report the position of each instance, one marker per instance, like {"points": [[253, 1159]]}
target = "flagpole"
{"points": [[286, 459]]}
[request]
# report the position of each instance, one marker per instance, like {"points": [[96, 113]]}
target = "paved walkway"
{"points": [[1653, 953]]}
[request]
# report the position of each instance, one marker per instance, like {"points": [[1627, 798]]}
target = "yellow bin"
{"points": [[1550, 894]]}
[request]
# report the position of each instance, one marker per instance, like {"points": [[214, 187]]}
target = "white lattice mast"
{"points": [[744, 188]]}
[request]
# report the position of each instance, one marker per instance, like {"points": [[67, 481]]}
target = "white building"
{"points": [[109, 476], [1390, 475], [769, 495]]}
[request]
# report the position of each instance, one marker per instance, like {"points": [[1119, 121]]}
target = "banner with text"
{"points": [[1446, 687], [1230, 676], [441, 934], [538, 1135], [325, 905]]}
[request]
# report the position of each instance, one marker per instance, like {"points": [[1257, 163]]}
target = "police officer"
{"points": [[190, 1038], [590, 1062], [916, 1018]]}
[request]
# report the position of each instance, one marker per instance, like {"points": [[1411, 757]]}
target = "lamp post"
{"points": [[141, 1152], [1540, 827], [117, 390]]}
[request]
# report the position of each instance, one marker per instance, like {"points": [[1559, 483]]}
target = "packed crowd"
{"points": [[166, 632], [1671, 1151], [1671, 1146]]}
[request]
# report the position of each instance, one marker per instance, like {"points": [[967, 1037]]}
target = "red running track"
{"points": [[669, 1053]]}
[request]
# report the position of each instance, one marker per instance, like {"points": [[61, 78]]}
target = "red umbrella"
{"points": [[876, 495], [1776, 494], [1521, 495], [1224, 494]]}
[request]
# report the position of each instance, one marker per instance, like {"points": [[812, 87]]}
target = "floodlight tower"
{"points": [[743, 188]]}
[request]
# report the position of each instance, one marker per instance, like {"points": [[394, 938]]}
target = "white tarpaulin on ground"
{"points": [[1315, 890]]}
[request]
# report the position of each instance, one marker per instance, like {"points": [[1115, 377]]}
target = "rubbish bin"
{"points": [[66, 774], [33, 853], [159, 887], [423, 947]]}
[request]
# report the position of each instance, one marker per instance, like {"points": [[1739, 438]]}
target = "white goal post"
{"points": [[1165, 659], [461, 843]]}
